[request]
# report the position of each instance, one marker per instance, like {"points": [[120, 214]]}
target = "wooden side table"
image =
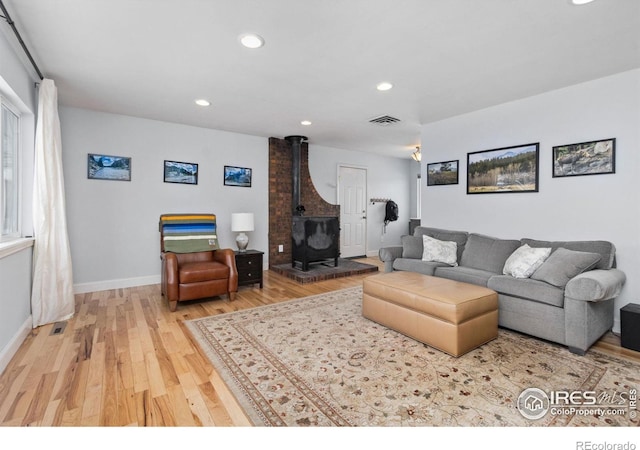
{"points": [[249, 265]]}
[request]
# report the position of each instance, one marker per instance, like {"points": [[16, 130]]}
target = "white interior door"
{"points": [[352, 194]]}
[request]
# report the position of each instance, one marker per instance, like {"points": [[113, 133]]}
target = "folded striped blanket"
{"points": [[188, 233]]}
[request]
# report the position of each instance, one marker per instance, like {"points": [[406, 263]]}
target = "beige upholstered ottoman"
{"points": [[449, 315]]}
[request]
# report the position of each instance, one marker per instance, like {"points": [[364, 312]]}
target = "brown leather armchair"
{"points": [[195, 275]]}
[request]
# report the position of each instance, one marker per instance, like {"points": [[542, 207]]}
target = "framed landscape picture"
{"points": [[180, 172], [503, 170], [585, 158], [107, 167], [237, 176], [442, 173]]}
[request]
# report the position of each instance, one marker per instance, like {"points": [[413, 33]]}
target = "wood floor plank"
{"points": [[196, 402], [12, 381], [126, 359], [127, 415], [94, 387], [162, 413], [220, 414], [53, 414], [140, 377], [164, 362], [136, 354], [76, 384], [38, 406], [142, 401], [70, 418], [109, 402], [154, 372], [125, 371], [180, 408]]}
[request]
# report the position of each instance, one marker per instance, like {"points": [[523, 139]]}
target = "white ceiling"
{"points": [[322, 59]]}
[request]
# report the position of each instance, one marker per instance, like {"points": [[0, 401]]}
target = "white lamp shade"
{"points": [[242, 222]]}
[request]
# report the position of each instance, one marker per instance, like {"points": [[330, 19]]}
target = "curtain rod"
{"points": [[7, 17]]}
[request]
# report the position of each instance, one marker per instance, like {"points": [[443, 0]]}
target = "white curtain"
{"points": [[52, 293]]}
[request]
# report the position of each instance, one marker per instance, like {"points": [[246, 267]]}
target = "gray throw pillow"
{"points": [[411, 247], [562, 265]]}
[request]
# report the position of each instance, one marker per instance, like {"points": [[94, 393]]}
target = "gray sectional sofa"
{"points": [[567, 299]]}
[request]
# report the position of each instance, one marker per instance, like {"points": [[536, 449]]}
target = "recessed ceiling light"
{"points": [[306, 122], [384, 86], [581, 2], [251, 40], [202, 102]]}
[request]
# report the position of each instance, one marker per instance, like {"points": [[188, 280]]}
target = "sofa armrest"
{"points": [[170, 275], [596, 285], [388, 255], [227, 257]]}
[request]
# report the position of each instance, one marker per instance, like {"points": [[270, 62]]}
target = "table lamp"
{"points": [[241, 222]]}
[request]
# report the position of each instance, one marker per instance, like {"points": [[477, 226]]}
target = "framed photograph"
{"points": [[107, 167], [180, 172], [585, 158], [503, 170], [441, 173], [237, 176]]}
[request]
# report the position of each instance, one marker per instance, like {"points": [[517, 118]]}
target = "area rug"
{"points": [[316, 361]]}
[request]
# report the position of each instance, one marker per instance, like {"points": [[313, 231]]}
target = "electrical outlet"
{"points": [[280, 248]]}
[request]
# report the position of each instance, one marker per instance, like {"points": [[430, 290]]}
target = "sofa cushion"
{"points": [[439, 251], [411, 246], [416, 265], [528, 289], [563, 265], [459, 237], [464, 274], [194, 272], [487, 253], [525, 260], [605, 248]]}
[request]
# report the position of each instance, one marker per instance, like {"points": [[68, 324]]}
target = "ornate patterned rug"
{"points": [[316, 361]]}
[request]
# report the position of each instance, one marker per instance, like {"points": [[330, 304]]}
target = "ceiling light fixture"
{"points": [[417, 155], [251, 40], [384, 86], [202, 102], [581, 2], [306, 122]]}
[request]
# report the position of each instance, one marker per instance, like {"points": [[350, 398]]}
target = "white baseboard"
{"points": [[616, 326], [106, 285], [372, 253], [14, 344]]}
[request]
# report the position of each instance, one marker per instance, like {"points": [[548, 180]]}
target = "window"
{"points": [[9, 171]]}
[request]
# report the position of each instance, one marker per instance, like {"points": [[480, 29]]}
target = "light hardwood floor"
{"points": [[125, 359]]}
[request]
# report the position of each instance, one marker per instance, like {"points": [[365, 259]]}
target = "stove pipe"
{"points": [[296, 150]]}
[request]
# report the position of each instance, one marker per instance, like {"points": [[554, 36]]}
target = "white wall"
{"points": [[587, 207], [113, 225], [387, 177], [18, 84], [15, 303]]}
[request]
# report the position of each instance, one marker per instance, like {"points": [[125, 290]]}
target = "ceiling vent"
{"points": [[384, 120]]}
